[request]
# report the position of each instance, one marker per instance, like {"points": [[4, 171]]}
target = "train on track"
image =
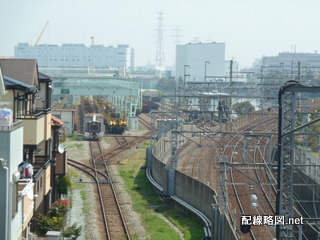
{"points": [[115, 124], [150, 100], [101, 118], [94, 127]]}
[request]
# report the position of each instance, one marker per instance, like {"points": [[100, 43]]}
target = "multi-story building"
{"points": [[78, 55], [28, 150], [290, 59], [204, 60]]}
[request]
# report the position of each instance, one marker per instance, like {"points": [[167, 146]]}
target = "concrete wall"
{"points": [[194, 193]]}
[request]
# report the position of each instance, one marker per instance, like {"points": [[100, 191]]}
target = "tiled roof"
{"points": [[56, 121], [11, 83], [44, 77], [25, 70]]}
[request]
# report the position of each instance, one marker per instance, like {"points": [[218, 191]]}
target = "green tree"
{"points": [[166, 85], [243, 108], [313, 140]]}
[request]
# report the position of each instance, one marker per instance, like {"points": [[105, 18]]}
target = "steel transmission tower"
{"points": [[160, 52], [177, 35]]}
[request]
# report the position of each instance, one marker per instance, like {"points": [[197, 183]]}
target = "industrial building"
{"points": [[77, 55], [205, 61]]}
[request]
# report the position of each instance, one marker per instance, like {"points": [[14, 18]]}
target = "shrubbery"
{"points": [[63, 184], [55, 220]]}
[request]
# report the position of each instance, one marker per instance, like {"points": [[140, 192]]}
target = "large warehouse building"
{"points": [[78, 55], [204, 60]]}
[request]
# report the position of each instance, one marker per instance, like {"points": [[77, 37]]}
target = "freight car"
{"points": [[116, 125], [94, 127], [150, 100]]}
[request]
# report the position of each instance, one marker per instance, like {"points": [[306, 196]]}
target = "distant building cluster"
{"points": [[77, 55], [290, 58]]}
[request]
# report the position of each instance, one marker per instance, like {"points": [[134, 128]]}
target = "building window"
{"points": [[38, 186], [40, 182]]}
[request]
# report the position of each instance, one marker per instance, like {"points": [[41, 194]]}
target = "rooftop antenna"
{"points": [[92, 41]]}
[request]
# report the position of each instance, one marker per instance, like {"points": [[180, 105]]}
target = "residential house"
{"points": [[17, 198], [28, 96]]}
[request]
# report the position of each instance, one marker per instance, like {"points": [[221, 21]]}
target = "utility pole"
{"points": [[231, 66], [230, 89]]}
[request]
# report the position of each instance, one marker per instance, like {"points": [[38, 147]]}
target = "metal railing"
{"points": [[12, 126]]}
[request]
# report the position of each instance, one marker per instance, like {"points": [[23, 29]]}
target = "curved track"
{"points": [[249, 174]]}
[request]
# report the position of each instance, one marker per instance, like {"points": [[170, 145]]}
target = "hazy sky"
{"points": [[249, 28]]}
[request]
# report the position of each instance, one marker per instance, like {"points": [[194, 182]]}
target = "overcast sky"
{"points": [[249, 28]]}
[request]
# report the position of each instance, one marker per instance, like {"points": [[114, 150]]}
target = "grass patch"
{"points": [[75, 138], [191, 228], [146, 144], [107, 139], [85, 208], [146, 202], [74, 145]]}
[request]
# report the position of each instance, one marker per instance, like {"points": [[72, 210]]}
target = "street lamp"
{"points": [[185, 75], [205, 70]]}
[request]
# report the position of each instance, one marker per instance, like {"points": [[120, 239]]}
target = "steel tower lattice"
{"points": [[160, 52]]}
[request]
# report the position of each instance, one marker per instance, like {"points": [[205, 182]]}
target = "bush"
{"points": [[243, 108], [63, 184], [72, 232], [47, 223], [59, 208], [54, 220]]}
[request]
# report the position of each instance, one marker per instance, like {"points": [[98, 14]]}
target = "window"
{"points": [[41, 182]]}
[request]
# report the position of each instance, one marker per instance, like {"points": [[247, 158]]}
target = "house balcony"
{"points": [[11, 126], [42, 170], [25, 192], [37, 127]]}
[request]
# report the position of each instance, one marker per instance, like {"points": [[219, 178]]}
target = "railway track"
{"points": [[114, 225], [241, 192], [122, 145], [144, 122], [232, 146]]}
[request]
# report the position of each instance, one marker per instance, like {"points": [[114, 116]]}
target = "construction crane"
{"points": [[38, 39]]}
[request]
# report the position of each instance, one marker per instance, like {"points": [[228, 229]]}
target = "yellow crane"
{"points": [[38, 39]]}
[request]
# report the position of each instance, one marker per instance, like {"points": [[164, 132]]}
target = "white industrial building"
{"points": [[77, 55], [201, 61]]}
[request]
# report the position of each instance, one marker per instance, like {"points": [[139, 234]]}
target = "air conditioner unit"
{"points": [[16, 176]]}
